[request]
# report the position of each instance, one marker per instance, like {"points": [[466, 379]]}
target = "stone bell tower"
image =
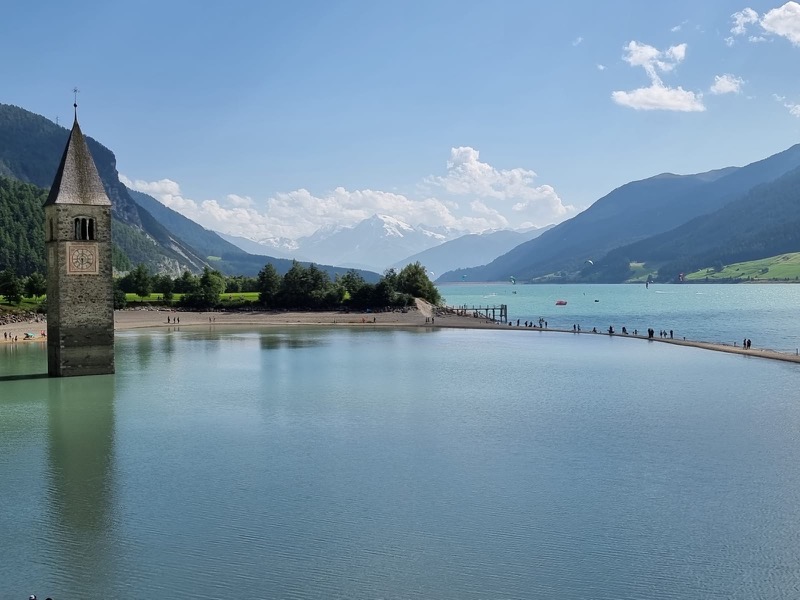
{"points": [[80, 303]]}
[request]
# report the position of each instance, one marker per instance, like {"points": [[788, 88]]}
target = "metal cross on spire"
{"points": [[75, 91]]}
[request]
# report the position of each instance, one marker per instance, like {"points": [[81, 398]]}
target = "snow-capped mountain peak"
{"points": [[392, 227], [372, 244]]}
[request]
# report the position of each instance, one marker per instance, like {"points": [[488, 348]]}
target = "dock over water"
{"points": [[497, 313]]}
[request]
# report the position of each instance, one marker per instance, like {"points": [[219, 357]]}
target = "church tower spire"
{"points": [[80, 309]]}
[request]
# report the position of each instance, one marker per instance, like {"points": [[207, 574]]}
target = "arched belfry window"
{"points": [[52, 230], [84, 228]]}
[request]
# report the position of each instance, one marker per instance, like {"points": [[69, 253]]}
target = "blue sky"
{"points": [[270, 119]]}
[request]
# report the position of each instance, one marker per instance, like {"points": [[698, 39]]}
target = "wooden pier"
{"points": [[496, 313]]}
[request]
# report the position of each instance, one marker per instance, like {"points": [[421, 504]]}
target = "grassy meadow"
{"points": [[784, 267]]}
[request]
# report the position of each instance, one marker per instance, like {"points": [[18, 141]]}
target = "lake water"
{"points": [[767, 314], [427, 464]]}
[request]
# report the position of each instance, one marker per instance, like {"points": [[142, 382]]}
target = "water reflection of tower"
{"points": [[80, 494]]}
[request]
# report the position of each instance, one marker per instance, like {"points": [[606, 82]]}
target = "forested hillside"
{"points": [[763, 222], [30, 149], [21, 227]]}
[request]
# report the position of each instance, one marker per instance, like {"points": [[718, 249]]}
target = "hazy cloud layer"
{"points": [[471, 195], [657, 96]]}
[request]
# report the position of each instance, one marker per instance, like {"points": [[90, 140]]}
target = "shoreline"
{"points": [[129, 319]]}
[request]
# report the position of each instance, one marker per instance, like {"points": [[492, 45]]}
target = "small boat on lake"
{"points": [[561, 302]]}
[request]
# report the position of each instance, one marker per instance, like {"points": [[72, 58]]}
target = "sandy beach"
{"points": [[424, 315]]}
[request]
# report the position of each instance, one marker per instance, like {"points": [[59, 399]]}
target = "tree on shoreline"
{"points": [[11, 287], [210, 285], [35, 285], [269, 282]]}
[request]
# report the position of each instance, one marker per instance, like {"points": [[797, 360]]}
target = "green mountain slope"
{"points": [[781, 268], [633, 212], [30, 149], [21, 227], [763, 222]]}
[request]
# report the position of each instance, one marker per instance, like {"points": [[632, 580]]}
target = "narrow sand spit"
{"points": [[415, 317]]}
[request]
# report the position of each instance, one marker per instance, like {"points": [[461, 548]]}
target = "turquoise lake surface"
{"points": [[336, 462], [719, 313]]}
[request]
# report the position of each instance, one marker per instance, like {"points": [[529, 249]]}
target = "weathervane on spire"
{"points": [[75, 91]]}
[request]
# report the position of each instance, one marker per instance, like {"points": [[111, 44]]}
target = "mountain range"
{"points": [[633, 213], [762, 222], [382, 242], [671, 223], [144, 230], [374, 244], [470, 250]]}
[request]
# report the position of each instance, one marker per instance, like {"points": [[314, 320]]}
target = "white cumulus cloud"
{"points": [[784, 21], [467, 175], [471, 195], [727, 84], [154, 188], [240, 201], [742, 19], [657, 96]]}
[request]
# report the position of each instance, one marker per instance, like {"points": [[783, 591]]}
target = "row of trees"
{"points": [[301, 287], [311, 288]]}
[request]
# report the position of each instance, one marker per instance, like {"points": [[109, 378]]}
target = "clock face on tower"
{"points": [[82, 259]]}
